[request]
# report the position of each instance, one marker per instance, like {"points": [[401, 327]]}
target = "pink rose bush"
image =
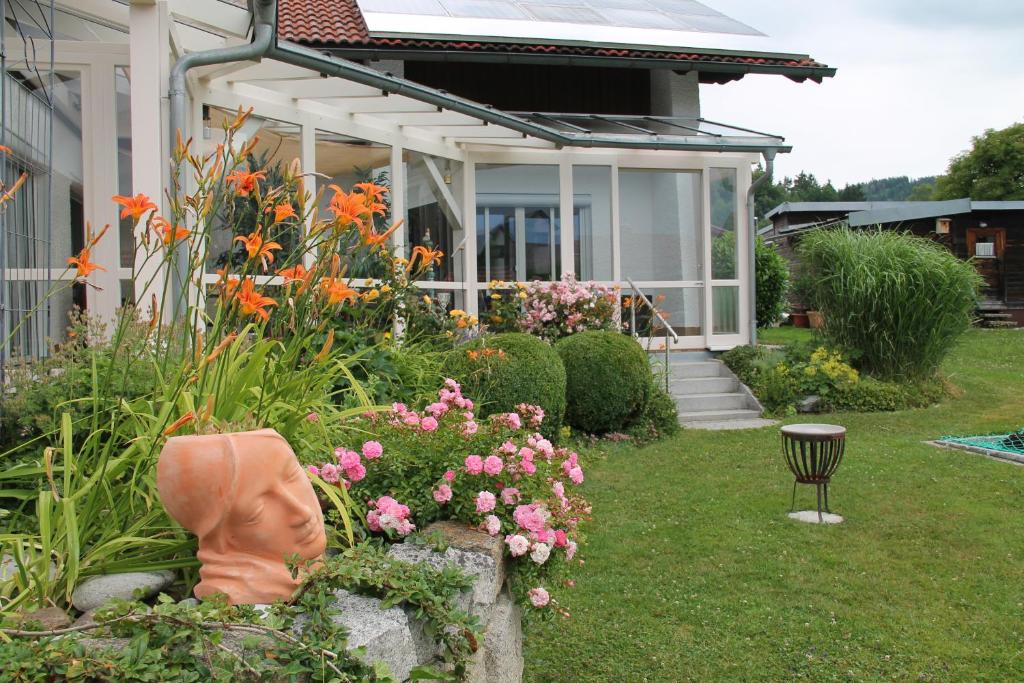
{"points": [[553, 310], [499, 475]]}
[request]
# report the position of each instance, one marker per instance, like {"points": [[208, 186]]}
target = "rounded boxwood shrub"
{"points": [[659, 417], [500, 371], [608, 380]]}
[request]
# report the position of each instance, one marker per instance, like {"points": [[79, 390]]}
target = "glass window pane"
{"points": [[123, 109], [723, 223], [517, 222], [681, 307], [725, 306], [660, 216], [432, 186], [278, 145], [345, 161], [592, 221]]}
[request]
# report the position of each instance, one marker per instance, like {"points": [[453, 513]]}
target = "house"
{"points": [[526, 139], [990, 233]]}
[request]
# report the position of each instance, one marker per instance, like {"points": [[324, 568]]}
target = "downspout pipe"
{"points": [[769, 170], [264, 20]]}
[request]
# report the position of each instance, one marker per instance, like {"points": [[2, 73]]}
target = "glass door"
{"points": [[662, 251]]}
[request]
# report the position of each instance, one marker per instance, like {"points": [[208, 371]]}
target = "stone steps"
{"points": [[707, 394]]}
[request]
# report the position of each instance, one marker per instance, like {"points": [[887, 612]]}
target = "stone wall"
{"points": [[396, 638]]}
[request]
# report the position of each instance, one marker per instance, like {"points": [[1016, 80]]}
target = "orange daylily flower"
{"points": [[297, 273], [251, 302], [349, 208], [228, 282], [338, 291], [374, 192], [134, 206], [83, 265], [372, 238], [283, 211], [427, 257], [256, 247], [180, 422], [168, 233], [5, 148], [245, 182]]}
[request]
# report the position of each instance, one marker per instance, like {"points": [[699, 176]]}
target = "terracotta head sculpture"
{"points": [[250, 503]]}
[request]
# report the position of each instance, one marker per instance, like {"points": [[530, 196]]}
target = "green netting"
{"points": [[1005, 443]]}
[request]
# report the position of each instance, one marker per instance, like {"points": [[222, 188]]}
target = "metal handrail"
{"points": [[669, 332]]}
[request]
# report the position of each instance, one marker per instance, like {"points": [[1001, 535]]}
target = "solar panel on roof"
{"points": [[687, 15]]}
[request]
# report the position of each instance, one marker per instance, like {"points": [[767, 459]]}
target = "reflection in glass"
{"points": [[518, 226], [278, 145], [432, 186], [723, 223], [123, 114], [682, 308], [725, 306], [660, 215], [592, 222]]}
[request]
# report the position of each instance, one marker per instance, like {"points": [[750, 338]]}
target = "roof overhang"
{"points": [[314, 81]]}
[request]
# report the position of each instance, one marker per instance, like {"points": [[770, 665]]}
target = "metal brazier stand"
{"points": [[813, 452]]}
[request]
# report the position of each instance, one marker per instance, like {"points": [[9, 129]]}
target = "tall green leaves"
{"points": [[894, 302]]}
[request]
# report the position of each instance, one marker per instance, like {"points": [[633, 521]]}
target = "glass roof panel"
{"points": [[687, 15]]}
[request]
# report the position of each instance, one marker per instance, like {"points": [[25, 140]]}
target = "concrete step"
{"points": [[1000, 324], [708, 402], [717, 416], [711, 368], [703, 385]]}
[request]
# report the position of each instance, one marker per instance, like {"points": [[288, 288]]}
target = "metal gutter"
{"points": [[769, 170]]}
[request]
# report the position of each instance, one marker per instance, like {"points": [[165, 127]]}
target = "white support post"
{"points": [[616, 226], [565, 214], [99, 147], [308, 162], [398, 240], [469, 276], [398, 214], [150, 63]]}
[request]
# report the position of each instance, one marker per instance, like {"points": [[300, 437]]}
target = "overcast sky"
{"points": [[917, 79]]}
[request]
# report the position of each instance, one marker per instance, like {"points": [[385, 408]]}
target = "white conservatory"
{"points": [[631, 189]]}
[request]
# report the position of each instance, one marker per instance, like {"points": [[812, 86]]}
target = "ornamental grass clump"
{"points": [[893, 302]]}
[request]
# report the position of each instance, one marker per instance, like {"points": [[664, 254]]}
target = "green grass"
{"points": [[694, 572], [784, 335]]}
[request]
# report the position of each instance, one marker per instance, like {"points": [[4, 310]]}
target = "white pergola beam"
{"points": [[478, 131], [428, 118], [270, 70], [318, 88], [448, 204], [369, 105], [213, 17]]}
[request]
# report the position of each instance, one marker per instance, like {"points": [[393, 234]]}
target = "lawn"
{"points": [[694, 572], [784, 335]]}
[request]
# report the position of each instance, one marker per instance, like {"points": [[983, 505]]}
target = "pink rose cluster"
{"points": [[451, 399], [557, 309], [534, 415], [349, 465], [386, 513]]}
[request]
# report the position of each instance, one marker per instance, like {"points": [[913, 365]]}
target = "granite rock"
{"points": [[98, 590]]}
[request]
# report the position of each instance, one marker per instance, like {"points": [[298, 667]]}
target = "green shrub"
{"points": [[771, 272], [772, 278], [871, 395], [741, 361], [659, 417], [503, 370], [608, 380], [894, 302]]}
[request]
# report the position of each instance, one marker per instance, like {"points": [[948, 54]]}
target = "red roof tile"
{"points": [[340, 24], [321, 22]]}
